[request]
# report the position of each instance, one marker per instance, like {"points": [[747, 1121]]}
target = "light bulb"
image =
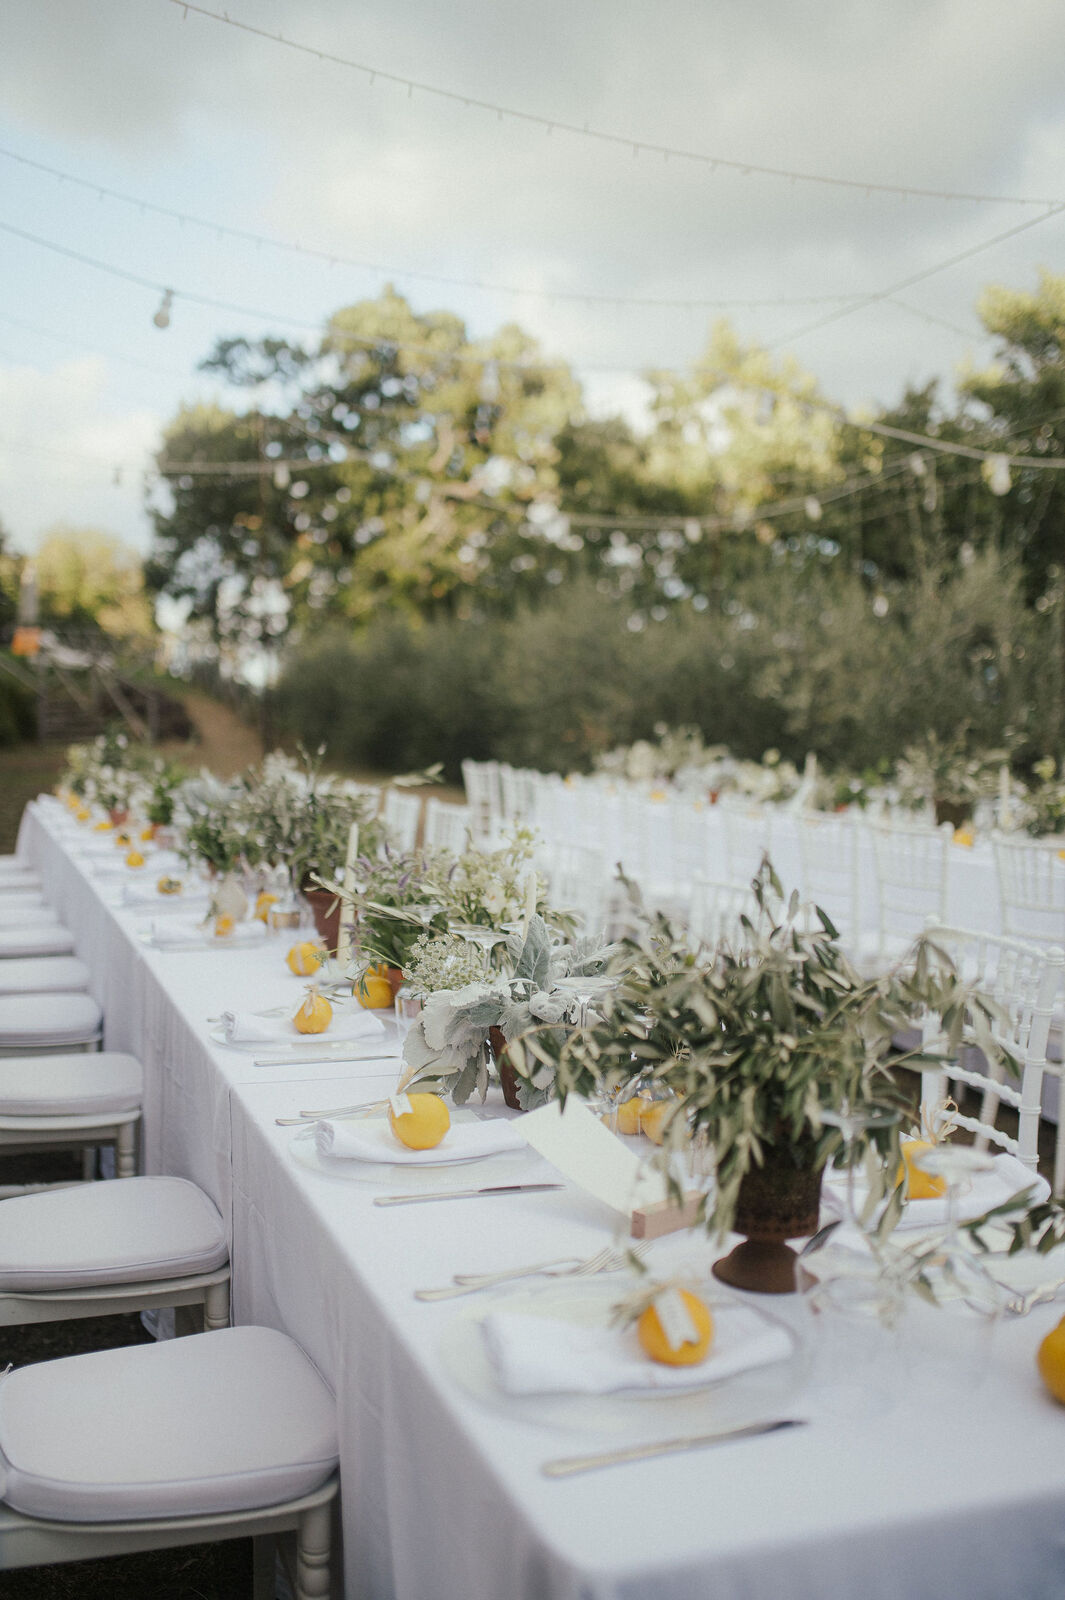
{"points": [[162, 316]]}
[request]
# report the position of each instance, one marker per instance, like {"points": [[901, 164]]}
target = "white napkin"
{"points": [[540, 1355], [188, 932], [371, 1139], [988, 1189], [147, 894], [245, 1027]]}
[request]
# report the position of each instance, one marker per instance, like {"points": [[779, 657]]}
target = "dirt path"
{"points": [[224, 744]]}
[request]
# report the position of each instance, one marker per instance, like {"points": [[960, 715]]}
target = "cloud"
{"points": [[60, 450]]}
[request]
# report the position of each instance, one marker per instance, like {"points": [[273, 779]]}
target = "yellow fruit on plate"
{"points": [[314, 1015], [263, 902], [964, 837], [148, 833], [305, 958], [920, 1184], [123, 840], [82, 813], [424, 1125], [653, 1339], [373, 991], [1051, 1361], [656, 1119], [169, 886], [134, 859], [103, 827], [223, 926]]}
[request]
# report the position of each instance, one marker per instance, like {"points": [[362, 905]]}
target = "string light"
{"points": [[162, 316], [604, 136]]}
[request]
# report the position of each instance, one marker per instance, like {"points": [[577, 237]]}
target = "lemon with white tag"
{"points": [[694, 1339], [424, 1125]]}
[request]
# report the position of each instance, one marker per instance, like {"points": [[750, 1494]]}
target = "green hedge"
{"points": [[18, 712], [796, 660]]}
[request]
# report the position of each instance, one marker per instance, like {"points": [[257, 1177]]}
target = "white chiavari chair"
{"points": [[1031, 887], [447, 827], [911, 863], [401, 814]]}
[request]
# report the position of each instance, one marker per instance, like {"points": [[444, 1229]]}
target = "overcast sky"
{"points": [[198, 117]]}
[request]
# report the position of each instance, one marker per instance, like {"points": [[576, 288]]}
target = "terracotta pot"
{"points": [[326, 910], [395, 979], [508, 1078], [778, 1201], [118, 815], [956, 812]]}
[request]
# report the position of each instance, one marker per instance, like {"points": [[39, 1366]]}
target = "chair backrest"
{"points": [[748, 836], [716, 909], [1024, 981], [579, 880], [829, 855], [446, 826], [911, 877], [1031, 888], [484, 797], [402, 814]]}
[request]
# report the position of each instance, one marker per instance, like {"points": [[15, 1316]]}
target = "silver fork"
{"points": [[307, 1119], [608, 1259]]}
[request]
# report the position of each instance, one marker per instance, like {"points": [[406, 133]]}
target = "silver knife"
{"points": [[463, 1194], [293, 1058], [567, 1466]]}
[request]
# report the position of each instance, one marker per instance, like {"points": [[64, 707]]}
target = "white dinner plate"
{"points": [[371, 1046], [518, 1166], [250, 940], [631, 1415]]}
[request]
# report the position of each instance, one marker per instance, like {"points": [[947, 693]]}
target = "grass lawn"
{"points": [[25, 772]]}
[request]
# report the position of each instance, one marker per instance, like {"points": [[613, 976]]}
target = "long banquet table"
{"points": [[941, 1494]]}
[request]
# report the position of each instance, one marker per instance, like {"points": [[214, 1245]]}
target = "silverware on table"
{"points": [[569, 1466], [307, 1119], [1021, 1304], [609, 1259], [337, 1053], [463, 1194]]}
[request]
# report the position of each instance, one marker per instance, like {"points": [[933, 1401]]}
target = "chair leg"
{"points": [[216, 1307], [126, 1150], [312, 1553], [1059, 1146], [264, 1567]]}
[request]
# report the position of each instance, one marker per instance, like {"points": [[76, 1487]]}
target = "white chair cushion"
{"points": [[129, 1230], [43, 975], [45, 939], [48, 1019], [19, 878], [89, 1084], [19, 899], [211, 1423], [20, 916]]}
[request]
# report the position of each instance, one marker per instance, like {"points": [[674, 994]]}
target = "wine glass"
{"points": [[852, 1121]]}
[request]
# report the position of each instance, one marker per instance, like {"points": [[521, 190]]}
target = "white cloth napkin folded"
{"points": [[245, 1027], [147, 894], [371, 1139], [186, 931], [988, 1189], [542, 1355]]}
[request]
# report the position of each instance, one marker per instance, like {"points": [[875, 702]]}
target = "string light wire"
{"points": [[633, 146]]}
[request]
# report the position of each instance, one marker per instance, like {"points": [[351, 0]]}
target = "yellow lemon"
{"points": [[103, 827], [1051, 1361], [263, 903], [964, 836], [148, 833], [656, 1118], [223, 926], [314, 1015], [654, 1343], [424, 1125], [630, 1114], [169, 886], [920, 1184], [305, 958], [134, 859], [373, 992], [82, 813], [123, 841]]}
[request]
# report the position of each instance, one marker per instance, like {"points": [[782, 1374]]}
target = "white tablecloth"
{"points": [[443, 1499]]}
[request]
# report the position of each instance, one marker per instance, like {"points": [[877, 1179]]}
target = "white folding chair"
{"points": [[829, 854], [70, 1101], [748, 836], [401, 815], [16, 913], [1031, 887], [1024, 981], [101, 1249], [716, 909], [220, 1435], [47, 1024], [579, 881], [446, 826], [46, 938], [485, 800], [911, 877]]}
